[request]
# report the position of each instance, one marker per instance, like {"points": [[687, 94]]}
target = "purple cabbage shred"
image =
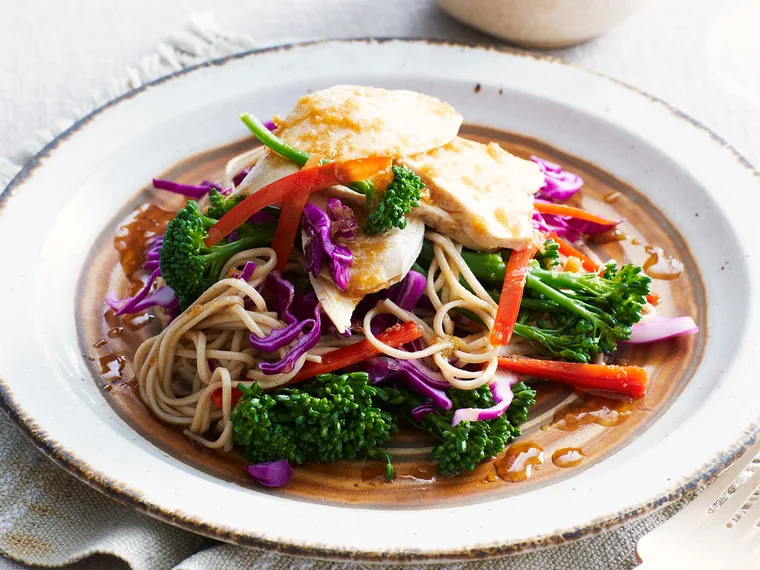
{"points": [[344, 222], [558, 185], [320, 249], [272, 473], [194, 191], [144, 299], [309, 331]]}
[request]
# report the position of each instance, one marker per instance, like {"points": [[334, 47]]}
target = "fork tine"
{"points": [[718, 487], [751, 517]]}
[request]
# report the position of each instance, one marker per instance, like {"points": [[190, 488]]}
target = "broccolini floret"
{"points": [[333, 417], [597, 311], [221, 204], [563, 314], [467, 444], [389, 209], [385, 211], [188, 266]]}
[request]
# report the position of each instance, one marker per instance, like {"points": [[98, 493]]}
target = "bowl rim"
{"points": [[116, 491]]}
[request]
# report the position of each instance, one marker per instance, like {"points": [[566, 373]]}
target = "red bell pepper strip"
{"points": [[395, 336], [573, 212], [629, 380], [216, 397], [511, 294], [567, 249], [653, 299], [292, 192]]}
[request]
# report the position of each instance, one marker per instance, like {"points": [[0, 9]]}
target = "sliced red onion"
{"points": [[270, 125], [661, 328], [344, 222], [501, 390], [558, 184], [196, 192], [272, 473], [407, 293]]}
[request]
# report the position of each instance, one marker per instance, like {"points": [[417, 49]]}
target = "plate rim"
{"points": [[111, 487]]}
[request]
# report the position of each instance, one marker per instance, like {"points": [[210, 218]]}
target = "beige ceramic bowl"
{"points": [[542, 23]]}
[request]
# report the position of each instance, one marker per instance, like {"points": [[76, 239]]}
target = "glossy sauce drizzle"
{"points": [[593, 410], [568, 457], [610, 236], [147, 221], [519, 460], [660, 266], [112, 366]]}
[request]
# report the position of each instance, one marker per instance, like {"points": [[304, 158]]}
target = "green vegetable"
{"points": [[221, 204], [548, 255], [488, 268], [573, 316], [300, 157], [467, 444], [597, 311], [333, 417], [187, 265], [384, 211], [389, 209]]}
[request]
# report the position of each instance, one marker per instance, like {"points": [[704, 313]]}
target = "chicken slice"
{"points": [[379, 262], [351, 121], [480, 195], [268, 169]]}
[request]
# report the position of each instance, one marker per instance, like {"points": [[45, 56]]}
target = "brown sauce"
{"points": [[420, 472], [115, 332], [112, 367], [610, 236], [554, 423], [567, 457], [519, 460], [593, 410], [145, 222], [660, 266]]}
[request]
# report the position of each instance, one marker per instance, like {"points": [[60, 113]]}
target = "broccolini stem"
{"points": [[534, 283], [290, 152], [564, 280], [225, 251], [274, 142], [488, 268]]}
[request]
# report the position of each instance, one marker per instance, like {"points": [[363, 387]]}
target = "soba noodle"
{"points": [[206, 348]]}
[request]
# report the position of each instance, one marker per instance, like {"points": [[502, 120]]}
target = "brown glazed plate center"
{"points": [[566, 432]]}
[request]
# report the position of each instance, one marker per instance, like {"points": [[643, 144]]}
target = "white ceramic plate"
{"points": [[53, 211]]}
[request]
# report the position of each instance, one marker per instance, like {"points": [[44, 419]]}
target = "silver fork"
{"points": [[702, 537]]}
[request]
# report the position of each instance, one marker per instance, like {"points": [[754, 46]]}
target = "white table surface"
{"points": [[703, 56]]}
